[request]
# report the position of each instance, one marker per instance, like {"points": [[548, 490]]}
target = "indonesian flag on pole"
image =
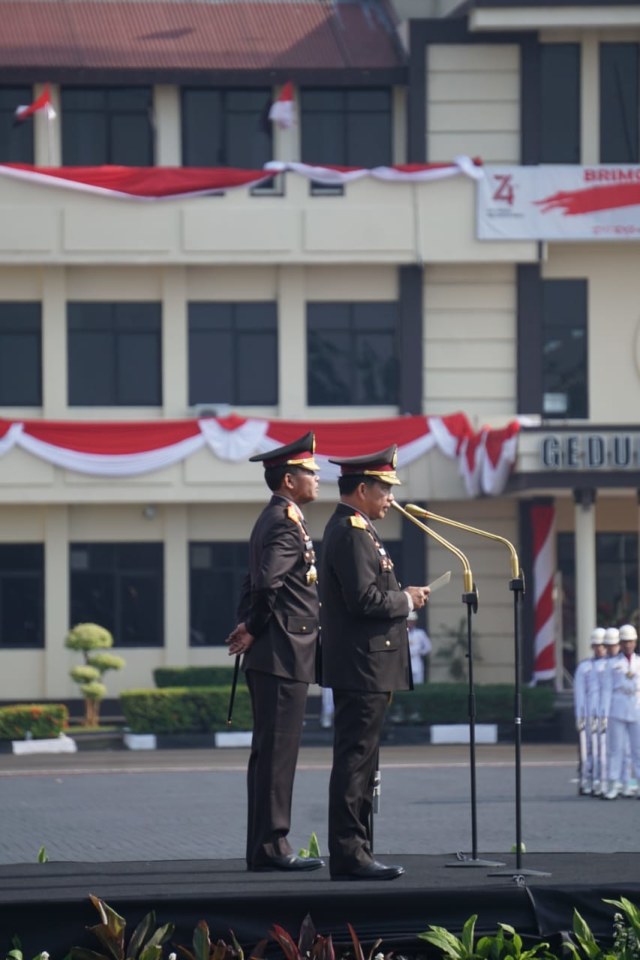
{"points": [[43, 102], [283, 108]]}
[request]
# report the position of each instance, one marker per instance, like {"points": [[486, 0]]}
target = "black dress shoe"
{"points": [[370, 871], [289, 862]]}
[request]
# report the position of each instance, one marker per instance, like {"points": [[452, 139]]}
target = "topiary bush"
{"points": [[185, 710], [92, 641], [42, 721]]}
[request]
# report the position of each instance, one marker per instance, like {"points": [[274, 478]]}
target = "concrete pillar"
{"points": [[176, 586], [57, 659], [175, 390], [54, 344], [292, 341], [585, 552], [166, 109]]}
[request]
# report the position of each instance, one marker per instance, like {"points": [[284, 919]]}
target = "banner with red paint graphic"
{"points": [[559, 203]]}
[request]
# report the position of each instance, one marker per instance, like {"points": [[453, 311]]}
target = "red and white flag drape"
{"points": [[43, 102], [125, 449], [283, 109], [173, 183], [544, 566]]}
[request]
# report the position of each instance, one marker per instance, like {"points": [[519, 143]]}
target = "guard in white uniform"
{"points": [[585, 702], [621, 702]]}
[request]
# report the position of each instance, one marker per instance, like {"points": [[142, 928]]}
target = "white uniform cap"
{"points": [[628, 632], [597, 636], [612, 636]]}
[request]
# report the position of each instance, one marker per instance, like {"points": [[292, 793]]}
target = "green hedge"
{"points": [[185, 709], [194, 676], [449, 703], [42, 720]]}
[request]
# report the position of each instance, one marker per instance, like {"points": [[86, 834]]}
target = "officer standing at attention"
{"points": [[584, 706], [278, 634], [365, 654], [621, 694]]}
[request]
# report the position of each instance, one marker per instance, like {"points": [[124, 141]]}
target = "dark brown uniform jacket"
{"points": [[277, 604], [364, 612]]}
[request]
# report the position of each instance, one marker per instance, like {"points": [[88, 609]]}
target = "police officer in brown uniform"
{"points": [[278, 635], [365, 653]]}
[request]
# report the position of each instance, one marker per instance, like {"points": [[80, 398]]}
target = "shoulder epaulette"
{"points": [[358, 522], [293, 514]]}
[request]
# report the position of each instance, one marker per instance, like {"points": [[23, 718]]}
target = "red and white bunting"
{"points": [[170, 183], [544, 565], [125, 449], [399, 173]]}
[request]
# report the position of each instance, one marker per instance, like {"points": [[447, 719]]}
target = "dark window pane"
{"points": [[216, 573], [21, 595], [107, 126], [619, 103], [20, 354], [351, 354], [226, 127], [16, 139], [233, 353], [560, 103], [114, 353], [120, 586], [564, 348], [616, 583], [350, 127]]}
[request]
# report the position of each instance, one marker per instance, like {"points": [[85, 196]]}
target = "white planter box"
{"points": [[239, 738], [140, 741], [61, 744], [459, 733]]}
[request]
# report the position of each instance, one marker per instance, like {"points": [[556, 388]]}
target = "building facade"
{"points": [[301, 301]]}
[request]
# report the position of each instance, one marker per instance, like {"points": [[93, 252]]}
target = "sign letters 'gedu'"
{"points": [[590, 451]]}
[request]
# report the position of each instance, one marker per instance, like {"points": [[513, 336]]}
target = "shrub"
{"points": [[185, 709], [449, 703], [42, 721], [90, 639], [194, 676]]}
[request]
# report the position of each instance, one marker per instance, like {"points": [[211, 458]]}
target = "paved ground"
{"points": [[190, 804]]}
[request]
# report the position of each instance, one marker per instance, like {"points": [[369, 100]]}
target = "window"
{"points": [[616, 581], [121, 587], [216, 573], [20, 354], [564, 349], [352, 354], [560, 103], [226, 128], [107, 125], [619, 103], [16, 139], [349, 127], [233, 353], [114, 354], [21, 595]]}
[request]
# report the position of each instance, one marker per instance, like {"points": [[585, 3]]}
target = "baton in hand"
{"points": [[234, 684]]}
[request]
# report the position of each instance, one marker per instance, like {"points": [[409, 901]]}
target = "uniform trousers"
{"points": [[278, 714], [357, 721], [623, 735]]}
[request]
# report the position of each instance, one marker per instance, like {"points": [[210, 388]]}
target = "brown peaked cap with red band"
{"points": [[381, 465], [299, 453]]}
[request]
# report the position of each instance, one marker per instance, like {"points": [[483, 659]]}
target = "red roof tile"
{"points": [[196, 35]]}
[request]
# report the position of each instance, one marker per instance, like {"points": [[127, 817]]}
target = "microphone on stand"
{"points": [[516, 584]]}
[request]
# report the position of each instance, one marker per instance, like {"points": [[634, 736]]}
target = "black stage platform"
{"points": [[47, 904]]}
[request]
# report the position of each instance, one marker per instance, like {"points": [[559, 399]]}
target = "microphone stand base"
{"points": [[466, 860], [519, 875]]}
